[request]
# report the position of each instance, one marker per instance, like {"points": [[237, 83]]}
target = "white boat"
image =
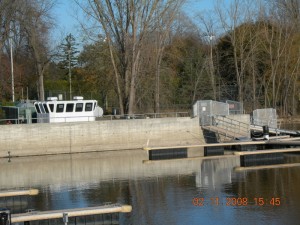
{"points": [[54, 111]]}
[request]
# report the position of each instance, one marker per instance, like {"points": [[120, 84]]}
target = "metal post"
{"points": [[65, 218], [12, 67]]}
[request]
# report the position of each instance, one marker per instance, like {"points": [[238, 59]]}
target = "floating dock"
{"points": [[56, 214], [12, 193], [252, 153], [285, 165], [207, 145]]}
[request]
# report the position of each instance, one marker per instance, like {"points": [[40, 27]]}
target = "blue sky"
{"points": [[65, 16]]}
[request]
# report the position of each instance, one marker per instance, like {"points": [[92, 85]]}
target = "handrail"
{"points": [[231, 125], [261, 122]]}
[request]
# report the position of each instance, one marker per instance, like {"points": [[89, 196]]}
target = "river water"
{"points": [[161, 193]]}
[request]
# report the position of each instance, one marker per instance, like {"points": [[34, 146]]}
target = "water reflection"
{"points": [[160, 192], [215, 173]]}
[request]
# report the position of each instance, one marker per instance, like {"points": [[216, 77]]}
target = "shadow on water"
{"points": [[160, 192]]}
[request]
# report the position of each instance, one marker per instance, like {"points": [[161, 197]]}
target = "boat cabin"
{"points": [[54, 111]]}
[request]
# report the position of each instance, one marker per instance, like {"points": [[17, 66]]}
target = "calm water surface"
{"points": [[161, 193]]}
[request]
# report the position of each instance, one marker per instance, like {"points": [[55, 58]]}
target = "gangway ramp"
{"points": [[225, 132], [228, 127]]}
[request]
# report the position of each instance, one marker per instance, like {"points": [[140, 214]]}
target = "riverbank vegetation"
{"points": [[154, 56]]}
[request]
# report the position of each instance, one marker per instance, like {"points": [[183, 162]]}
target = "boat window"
{"points": [[37, 108], [60, 108], [41, 107], [46, 107], [70, 107], [89, 106], [51, 106], [79, 107]]}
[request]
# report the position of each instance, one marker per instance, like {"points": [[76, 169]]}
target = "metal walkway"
{"points": [[233, 129], [228, 128], [225, 132], [276, 131]]}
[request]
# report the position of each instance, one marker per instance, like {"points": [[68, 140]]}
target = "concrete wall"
{"points": [[57, 138]]}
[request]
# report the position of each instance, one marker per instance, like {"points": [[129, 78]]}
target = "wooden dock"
{"points": [[249, 168], [56, 214], [276, 140], [254, 153], [12, 193], [257, 152]]}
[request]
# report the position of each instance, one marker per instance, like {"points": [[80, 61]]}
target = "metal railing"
{"points": [[272, 123], [145, 116], [10, 121], [93, 118], [231, 126]]}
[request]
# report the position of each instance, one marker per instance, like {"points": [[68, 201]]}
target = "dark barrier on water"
{"points": [[160, 154], [210, 136], [262, 159], [245, 147], [213, 150]]}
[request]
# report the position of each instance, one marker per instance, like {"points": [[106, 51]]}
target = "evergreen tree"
{"points": [[68, 57]]}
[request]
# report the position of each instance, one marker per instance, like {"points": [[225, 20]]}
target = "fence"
{"points": [[206, 109], [235, 107], [264, 117]]}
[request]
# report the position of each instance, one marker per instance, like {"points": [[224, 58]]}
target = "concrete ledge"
{"points": [[60, 138]]}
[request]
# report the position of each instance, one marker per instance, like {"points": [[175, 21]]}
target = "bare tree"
{"points": [[163, 29], [35, 20], [207, 24], [280, 38], [125, 26], [231, 18], [7, 13]]}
